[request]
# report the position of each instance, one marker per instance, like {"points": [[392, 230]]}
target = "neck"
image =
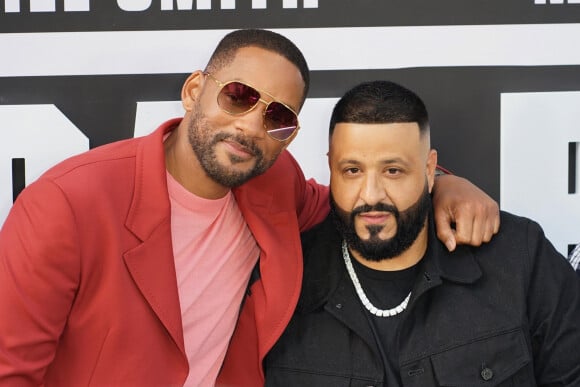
{"points": [[182, 163], [408, 258]]}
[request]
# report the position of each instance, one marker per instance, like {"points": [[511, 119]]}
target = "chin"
{"points": [[381, 231]]}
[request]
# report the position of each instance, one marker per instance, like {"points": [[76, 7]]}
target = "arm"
{"points": [[38, 278], [458, 202], [316, 205], [312, 204]]}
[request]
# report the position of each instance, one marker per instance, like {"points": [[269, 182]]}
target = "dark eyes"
{"points": [[388, 171]]}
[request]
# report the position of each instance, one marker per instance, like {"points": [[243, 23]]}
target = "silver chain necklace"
{"points": [[361, 294]]}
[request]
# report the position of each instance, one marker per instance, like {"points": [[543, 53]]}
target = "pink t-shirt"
{"points": [[214, 253]]}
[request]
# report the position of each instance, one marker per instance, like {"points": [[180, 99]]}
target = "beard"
{"points": [[203, 141], [409, 224]]}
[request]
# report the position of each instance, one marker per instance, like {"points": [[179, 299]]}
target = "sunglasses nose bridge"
{"points": [[252, 115], [254, 107], [266, 103]]}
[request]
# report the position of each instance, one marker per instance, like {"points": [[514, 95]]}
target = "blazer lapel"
{"points": [[276, 232], [151, 263]]}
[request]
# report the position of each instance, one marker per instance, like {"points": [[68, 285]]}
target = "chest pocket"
{"points": [[502, 360]]}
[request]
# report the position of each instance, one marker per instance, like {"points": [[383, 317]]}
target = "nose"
{"points": [[251, 123], [373, 190]]}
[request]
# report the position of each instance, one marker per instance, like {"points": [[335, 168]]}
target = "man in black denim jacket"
{"points": [[383, 303]]}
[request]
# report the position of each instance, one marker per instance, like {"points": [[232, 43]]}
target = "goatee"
{"points": [[410, 222], [203, 141]]}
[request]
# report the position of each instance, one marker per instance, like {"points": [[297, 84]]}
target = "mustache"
{"points": [[245, 142], [379, 207]]}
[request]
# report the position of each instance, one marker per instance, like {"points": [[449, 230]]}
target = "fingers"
{"points": [[491, 226], [445, 232], [476, 223], [497, 222], [464, 214], [468, 226]]}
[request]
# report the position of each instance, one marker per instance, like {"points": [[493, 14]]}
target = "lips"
{"points": [[375, 217], [238, 149]]}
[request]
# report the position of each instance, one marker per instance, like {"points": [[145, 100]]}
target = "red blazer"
{"points": [[88, 293]]}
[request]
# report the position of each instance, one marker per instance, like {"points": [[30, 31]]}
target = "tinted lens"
{"points": [[280, 121], [237, 98]]}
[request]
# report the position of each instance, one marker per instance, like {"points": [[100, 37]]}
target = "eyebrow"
{"points": [[394, 160]]}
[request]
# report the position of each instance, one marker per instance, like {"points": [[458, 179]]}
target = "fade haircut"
{"points": [[227, 48], [380, 102]]}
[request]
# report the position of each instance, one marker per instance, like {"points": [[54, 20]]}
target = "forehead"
{"points": [[377, 142], [266, 71]]}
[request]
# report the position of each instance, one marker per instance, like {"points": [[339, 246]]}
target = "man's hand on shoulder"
{"points": [[464, 214]]}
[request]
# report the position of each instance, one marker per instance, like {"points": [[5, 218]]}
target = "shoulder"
{"points": [[521, 245], [515, 222], [517, 230], [89, 177], [103, 156], [319, 244], [526, 232], [323, 231], [116, 157]]}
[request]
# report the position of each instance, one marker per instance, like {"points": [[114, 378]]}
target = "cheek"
{"points": [[407, 194], [271, 148], [217, 120], [213, 116], [345, 193]]}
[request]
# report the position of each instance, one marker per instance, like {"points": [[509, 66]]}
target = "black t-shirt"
{"points": [[386, 290]]}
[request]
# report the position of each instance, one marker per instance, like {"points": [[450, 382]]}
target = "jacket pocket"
{"points": [[287, 377], [498, 360]]}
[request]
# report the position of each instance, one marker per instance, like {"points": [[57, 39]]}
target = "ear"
{"points": [[191, 89], [431, 166]]}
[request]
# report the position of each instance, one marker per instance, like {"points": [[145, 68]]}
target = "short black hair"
{"points": [[227, 48], [380, 102]]}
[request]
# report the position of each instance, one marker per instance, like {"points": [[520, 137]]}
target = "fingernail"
{"points": [[450, 244]]}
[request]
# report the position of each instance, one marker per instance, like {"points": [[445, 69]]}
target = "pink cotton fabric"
{"points": [[214, 254]]}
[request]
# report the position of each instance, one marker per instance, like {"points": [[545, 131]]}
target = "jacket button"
{"points": [[486, 374], [338, 306]]}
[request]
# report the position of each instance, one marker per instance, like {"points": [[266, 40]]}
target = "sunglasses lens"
{"points": [[280, 121], [237, 98]]}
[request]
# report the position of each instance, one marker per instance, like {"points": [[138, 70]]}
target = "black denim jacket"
{"points": [[503, 314]]}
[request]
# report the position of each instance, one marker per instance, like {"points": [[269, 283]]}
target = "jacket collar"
{"points": [[151, 262], [323, 265], [150, 205], [459, 266], [271, 216]]}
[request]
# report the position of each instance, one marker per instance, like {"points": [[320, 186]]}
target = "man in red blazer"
{"points": [[127, 265]]}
